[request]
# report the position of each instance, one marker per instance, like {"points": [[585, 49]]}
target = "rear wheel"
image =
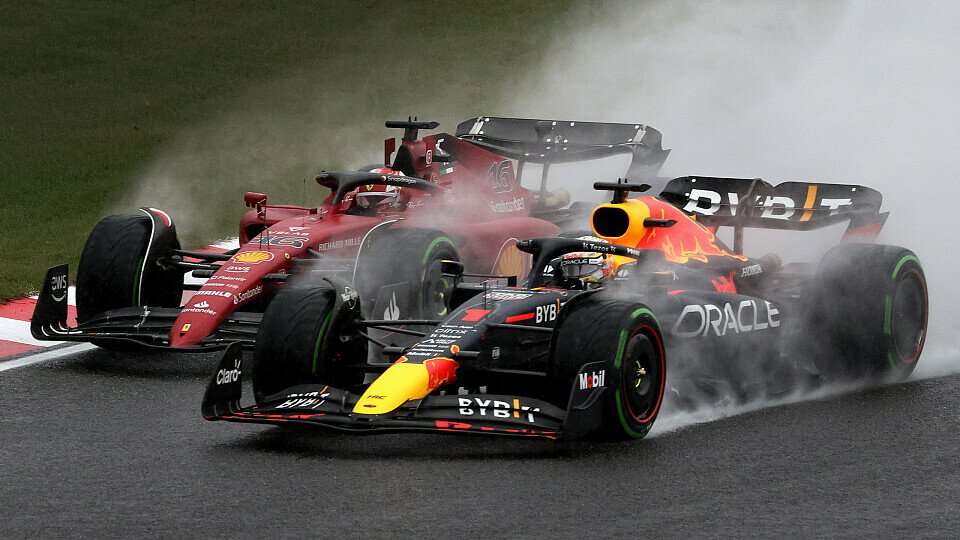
{"points": [[868, 312], [120, 268], [626, 337], [305, 337], [411, 257]]}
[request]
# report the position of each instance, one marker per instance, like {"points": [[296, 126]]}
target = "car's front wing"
{"points": [[333, 408], [144, 326]]}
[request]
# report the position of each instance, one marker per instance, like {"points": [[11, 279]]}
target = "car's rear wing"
{"points": [[799, 206], [563, 141]]}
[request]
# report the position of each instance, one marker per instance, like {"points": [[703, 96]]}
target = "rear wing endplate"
{"points": [[799, 206]]}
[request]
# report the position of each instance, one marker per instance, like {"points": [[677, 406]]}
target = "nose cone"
{"points": [[185, 334], [404, 381], [200, 317]]}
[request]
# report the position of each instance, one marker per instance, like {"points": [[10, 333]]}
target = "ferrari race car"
{"points": [[443, 197], [583, 348]]}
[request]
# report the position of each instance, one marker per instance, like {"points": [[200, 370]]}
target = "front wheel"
{"points": [[406, 263], [626, 337], [305, 337], [126, 262]]}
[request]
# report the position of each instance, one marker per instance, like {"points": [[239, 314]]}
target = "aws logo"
{"points": [[58, 284]]}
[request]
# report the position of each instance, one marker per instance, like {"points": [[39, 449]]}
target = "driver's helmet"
{"points": [[589, 268], [379, 195]]}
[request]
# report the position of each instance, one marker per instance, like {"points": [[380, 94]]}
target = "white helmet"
{"points": [[372, 195], [589, 267]]}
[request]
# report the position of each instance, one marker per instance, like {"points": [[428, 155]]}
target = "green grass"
{"points": [[101, 101]]}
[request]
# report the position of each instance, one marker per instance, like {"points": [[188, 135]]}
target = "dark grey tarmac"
{"points": [[104, 445]]}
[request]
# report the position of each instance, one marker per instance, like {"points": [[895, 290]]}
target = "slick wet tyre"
{"points": [[407, 256], [625, 336], [116, 270], [867, 314], [306, 337]]}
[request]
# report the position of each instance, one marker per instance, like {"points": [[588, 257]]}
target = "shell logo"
{"points": [[253, 257]]}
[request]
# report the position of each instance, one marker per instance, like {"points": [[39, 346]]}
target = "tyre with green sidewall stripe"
{"points": [[867, 314], [626, 336], [112, 273], [411, 256], [305, 337]]}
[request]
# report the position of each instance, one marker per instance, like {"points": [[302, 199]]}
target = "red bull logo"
{"points": [[404, 381], [687, 240], [725, 284], [440, 371]]}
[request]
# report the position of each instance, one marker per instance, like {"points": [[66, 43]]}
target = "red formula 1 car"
{"points": [[384, 230]]}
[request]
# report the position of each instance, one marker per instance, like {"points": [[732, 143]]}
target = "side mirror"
{"points": [[253, 199], [256, 200], [453, 268]]}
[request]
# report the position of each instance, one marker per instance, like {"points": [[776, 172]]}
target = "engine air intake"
{"points": [[610, 221]]}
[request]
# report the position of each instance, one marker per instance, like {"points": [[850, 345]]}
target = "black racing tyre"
{"points": [[116, 271], [306, 337], [626, 336], [411, 256], [867, 312]]}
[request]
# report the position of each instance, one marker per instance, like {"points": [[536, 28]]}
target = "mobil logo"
{"points": [[594, 379]]}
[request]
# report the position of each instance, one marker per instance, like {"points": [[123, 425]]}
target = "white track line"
{"points": [[19, 332], [71, 297], [228, 243], [45, 356]]}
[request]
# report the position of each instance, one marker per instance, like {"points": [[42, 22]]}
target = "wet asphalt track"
{"points": [[103, 445]]}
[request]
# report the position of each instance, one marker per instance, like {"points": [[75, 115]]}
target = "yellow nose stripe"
{"points": [[398, 384], [405, 381]]}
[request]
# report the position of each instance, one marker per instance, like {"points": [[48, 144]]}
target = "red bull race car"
{"points": [[436, 197], [583, 348]]}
